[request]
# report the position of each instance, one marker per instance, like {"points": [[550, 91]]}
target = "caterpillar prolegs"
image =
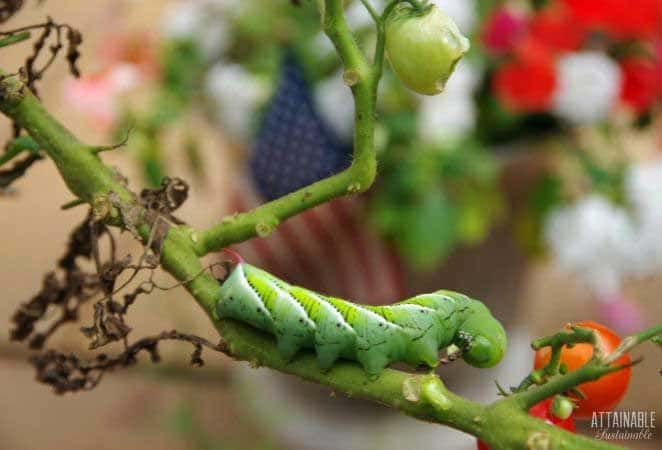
{"points": [[411, 331]]}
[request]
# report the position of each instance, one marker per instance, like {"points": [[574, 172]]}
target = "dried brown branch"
{"points": [[70, 286], [68, 373], [66, 288], [52, 37]]}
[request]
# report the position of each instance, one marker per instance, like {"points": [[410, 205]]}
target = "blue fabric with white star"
{"points": [[294, 147]]}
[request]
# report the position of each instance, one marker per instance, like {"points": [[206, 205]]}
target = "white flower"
{"points": [[603, 243], [588, 85], [452, 114], [446, 118], [182, 20], [237, 94], [643, 186], [335, 104], [593, 239], [463, 12], [206, 22]]}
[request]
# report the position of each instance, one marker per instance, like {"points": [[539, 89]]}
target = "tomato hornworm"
{"points": [[411, 331]]}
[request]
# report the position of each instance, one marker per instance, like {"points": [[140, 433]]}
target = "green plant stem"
{"points": [[371, 10], [12, 152], [560, 384], [630, 342], [378, 64], [503, 424], [14, 38], [556, 343]]}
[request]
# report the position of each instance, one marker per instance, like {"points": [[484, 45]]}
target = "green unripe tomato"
{"points": [[423, 47], [562, 407]]}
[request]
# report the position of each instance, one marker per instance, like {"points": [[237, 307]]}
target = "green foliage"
{"points": [[545, 194], [262, 29], [607, 180], [498, 125], [182, 68], [432, 199], [429, 230], [194, 157]]}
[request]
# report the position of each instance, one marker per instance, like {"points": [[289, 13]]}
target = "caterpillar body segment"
{"points": [[411, 331]]}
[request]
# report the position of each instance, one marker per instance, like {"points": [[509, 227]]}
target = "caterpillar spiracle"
{"points": [[411, 331]]}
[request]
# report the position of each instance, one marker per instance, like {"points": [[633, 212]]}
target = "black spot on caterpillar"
{"points": [[411, 331]]}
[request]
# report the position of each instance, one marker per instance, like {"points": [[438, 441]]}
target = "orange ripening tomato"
{"points": [[603, 394]]}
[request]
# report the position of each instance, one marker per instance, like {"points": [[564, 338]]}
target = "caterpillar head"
{"points": [[482, 337]]}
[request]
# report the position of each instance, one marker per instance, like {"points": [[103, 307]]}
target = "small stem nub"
{"points": [[351, 77]]}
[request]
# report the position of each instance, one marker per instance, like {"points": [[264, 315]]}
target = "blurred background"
{"points": [[533, 182]]}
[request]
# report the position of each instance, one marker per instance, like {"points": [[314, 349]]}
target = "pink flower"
{"points": [[128, 61], [503, 29], [622, 314], [96, 95]]}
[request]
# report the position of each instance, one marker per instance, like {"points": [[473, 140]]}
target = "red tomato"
{"points": [[543, 410], [603, 394]]}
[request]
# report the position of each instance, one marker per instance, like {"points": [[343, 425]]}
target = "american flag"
{"points": [[330, 248]]}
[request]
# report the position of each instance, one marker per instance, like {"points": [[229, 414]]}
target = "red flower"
{"points": [[555, 28], [527, 82], [503, 29], [640, 84], [620, 18], [658, 64]]}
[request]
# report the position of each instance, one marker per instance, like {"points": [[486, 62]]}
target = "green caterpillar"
{"points": [[410, 331]]}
